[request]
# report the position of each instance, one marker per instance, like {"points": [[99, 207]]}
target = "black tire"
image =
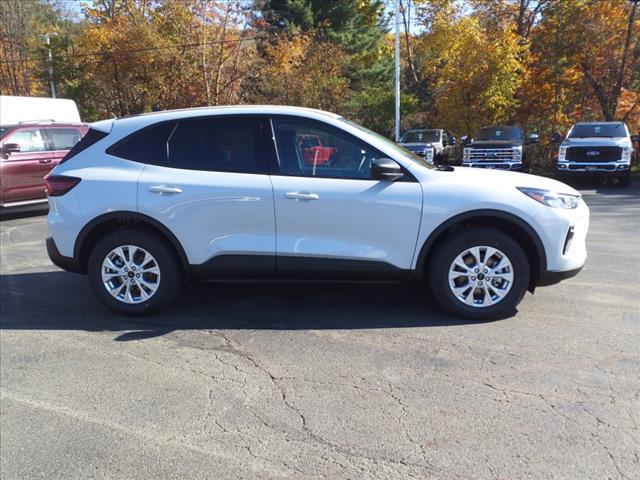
{"points": [[443, 257], [170, 280]]}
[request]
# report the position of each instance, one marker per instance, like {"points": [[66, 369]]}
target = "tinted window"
{"points": [[148, 145], [222, 144], [499, 133], [29, 139], [313, 150], [602, 130], [62, 138], [426, 136], [91, 137]]}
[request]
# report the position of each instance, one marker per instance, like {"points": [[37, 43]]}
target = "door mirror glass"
{"points": [[386, 169], [9, 148], [465, 140]]}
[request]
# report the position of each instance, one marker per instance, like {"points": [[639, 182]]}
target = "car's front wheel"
{"points": [[479, 273], [133, 272]]}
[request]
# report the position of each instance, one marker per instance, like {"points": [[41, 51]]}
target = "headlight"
{"points": [[626, 155], [517, 153], [551, 199], [428, 155], [562, 154], [466, 153]]}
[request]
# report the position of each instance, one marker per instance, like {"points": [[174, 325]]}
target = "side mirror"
{"points": [[386, 169], [465, 140], [533, 139], [635, 138], [9, 148], [556, 138]]}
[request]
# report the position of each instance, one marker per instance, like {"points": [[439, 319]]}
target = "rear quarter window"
{"points": [[92, 136], [148, 145]]}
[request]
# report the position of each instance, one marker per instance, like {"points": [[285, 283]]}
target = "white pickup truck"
{"points": [[597, 149]]}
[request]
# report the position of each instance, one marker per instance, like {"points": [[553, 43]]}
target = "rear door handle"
{"points": [[165, 189], [45, 160], [302, 196]]}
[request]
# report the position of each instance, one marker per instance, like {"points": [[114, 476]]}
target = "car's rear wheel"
{"points": [[479, 273], [133, 272]]}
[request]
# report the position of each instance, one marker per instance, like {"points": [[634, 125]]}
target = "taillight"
{"points": [[57, 185]]}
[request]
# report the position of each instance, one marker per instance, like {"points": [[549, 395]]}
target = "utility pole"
{"points": [[397, 81], [47, 41]]}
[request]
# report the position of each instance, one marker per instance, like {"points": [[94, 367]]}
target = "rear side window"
{"points": [[62, 138], [89, 139], [220, 144], [148, 145]]}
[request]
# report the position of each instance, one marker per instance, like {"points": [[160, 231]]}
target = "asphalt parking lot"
{"points": [[336, 382]]}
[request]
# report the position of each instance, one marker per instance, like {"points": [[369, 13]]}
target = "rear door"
{"points": [[206, 180], [332, 218], [23, 172], [62, 139]]}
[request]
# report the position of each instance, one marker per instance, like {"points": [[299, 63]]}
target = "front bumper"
{"points": [[511, 166], [593, 169], [69, 264], [552, 277]]}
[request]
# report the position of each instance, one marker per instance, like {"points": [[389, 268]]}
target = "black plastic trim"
{"points": [[233, 266], [551, 278], [498, 214], [69, 264], [128, 216]]}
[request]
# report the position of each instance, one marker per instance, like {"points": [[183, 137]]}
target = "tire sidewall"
{"points": [[473, 237], [169, 271]]}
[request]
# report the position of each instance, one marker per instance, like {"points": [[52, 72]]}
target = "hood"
{"points": [[597, 142], [502, 179], [495, 143], [416, 145]]}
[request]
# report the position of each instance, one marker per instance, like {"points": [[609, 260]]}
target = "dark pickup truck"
{"points": [[500, 147]]}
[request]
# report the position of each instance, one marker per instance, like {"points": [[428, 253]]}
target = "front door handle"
{"points": [[169, 189], [45, 160], [302, 196]]}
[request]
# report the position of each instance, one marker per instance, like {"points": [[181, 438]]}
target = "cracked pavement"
{"points": [[320, 381]]}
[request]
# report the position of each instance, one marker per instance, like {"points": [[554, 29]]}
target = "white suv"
{"points": [[144, 203]]}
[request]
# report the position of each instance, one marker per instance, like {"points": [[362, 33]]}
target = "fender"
{"points": [[130, 217], [485, 213]]}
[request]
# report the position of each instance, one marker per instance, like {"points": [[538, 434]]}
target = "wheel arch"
{"points": [[506, 222], [112, 221]]}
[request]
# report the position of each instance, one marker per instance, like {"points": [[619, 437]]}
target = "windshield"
{"points": [[391, 145], [499, 133], [426, 136], [602, 130]]}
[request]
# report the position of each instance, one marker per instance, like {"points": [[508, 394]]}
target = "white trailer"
{"points": [[14, 110]]}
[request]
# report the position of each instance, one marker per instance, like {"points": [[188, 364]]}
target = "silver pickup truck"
{"points": [[597, 149]]}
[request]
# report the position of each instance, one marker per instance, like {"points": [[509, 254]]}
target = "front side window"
{"points": [[220, 144], [306, 148], [29, 139], [62, 138]]}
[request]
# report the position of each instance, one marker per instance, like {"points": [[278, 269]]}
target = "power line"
{"points": [[186, 45]]}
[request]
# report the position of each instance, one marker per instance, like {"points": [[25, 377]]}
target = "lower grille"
{"points": [[594, 154]]}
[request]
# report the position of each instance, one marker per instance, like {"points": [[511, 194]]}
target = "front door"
{"points": [[23, 172], [332, 218]]}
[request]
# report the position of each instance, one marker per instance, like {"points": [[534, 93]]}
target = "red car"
{"points": [[28, 151], [313, 152]]}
